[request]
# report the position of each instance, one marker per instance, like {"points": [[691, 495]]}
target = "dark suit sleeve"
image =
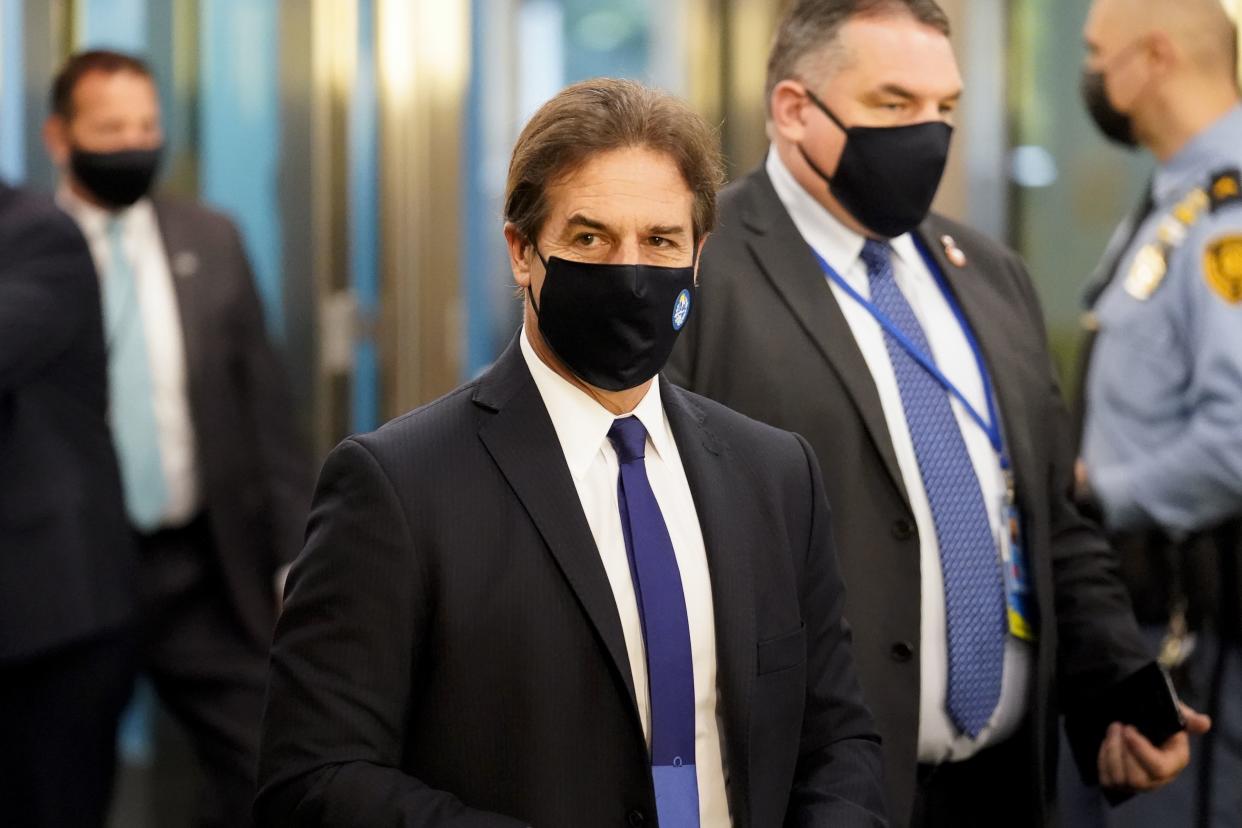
{"points": [[1099, 643], [283, 455], [838, 777], [47, 286], [344, 664]]}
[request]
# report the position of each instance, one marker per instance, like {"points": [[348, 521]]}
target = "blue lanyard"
{"points": [[991, 426]]}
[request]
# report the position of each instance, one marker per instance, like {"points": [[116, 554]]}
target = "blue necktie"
{"points": [[132, 392], [973, 586], [666, 631]]}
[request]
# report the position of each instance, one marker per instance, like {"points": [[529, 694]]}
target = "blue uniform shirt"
{"points": [[1163, 433]]}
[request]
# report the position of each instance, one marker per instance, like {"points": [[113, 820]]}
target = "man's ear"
{"points": [[1164, 53], [785, 110], [520, 254], [56, 140], [698, 256]]}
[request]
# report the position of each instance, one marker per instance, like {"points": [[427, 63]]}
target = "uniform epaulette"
{"points": [[1226, 188], [1151, 263]]}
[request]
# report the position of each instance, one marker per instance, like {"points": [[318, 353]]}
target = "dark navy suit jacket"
{"points": [[66, 551], [450, 653]]}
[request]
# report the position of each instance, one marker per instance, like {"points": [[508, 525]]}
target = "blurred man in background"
{"points": [[67, 588], [216, 483], [1162, 437], [910, 351]]}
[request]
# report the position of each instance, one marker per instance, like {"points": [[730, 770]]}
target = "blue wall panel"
{"points": [[240, 132], [478, 213], [12, 100], [113, 24], [364, 221]]}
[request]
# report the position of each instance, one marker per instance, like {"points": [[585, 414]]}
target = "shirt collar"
{"points": [[94, 219], [840, 246], [581, 423], [1214, 145]]}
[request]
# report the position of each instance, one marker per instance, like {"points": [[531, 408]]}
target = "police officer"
{"points": [[1162, 431]]}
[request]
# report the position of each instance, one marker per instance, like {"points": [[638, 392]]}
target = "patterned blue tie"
{"points": [[131, 391], [666, 631], [973, 582]]}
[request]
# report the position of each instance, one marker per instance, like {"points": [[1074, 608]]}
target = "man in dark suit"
{"points": [[67, 595], [910, 351], [570, 593], [216, 484]]}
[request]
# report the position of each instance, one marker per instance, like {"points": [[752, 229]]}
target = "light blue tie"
{"points": [[973, 582], [131, 390]]}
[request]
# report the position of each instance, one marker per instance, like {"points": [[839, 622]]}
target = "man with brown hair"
{"points": [[216, 483], [910, 352], [570, 593]]}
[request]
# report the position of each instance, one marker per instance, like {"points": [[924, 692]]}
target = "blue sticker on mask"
{"points": [[681, 310]]}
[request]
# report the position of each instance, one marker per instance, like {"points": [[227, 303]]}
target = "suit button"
{"points": [[636, 818], [903, 530], [902, 652]]}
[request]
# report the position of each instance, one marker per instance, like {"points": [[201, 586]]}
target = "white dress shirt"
{"points": [[161, 322], [582, 427], [939, 739]]}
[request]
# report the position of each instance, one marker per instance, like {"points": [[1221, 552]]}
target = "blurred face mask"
{"points": [[118, 179], [613, 326], [1115, 125], [887, 176]]}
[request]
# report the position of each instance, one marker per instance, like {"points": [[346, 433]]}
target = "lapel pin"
{"points": [[953, 252], [185, 264]]}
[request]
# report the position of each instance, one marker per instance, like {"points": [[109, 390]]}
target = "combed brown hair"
{"points": [[807, 34], [602, 115], [83, 63]]}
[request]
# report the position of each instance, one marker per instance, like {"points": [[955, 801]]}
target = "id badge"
{"points": [[1019, 598]]}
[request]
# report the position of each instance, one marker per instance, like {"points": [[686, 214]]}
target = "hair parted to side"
{"points": [[83, 63], [804, 45], [602, 115]]}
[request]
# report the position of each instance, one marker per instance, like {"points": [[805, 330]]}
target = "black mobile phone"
{"points": [[1145, 699], [1152, 704]]}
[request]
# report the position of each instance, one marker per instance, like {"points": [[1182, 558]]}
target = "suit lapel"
{"points": [[721, 508], [987, 311], [786, 259], [180, 251], [522, 441]]}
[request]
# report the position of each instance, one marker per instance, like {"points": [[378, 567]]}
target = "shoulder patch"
{"points": [[1222, 265], [1226, 188]]}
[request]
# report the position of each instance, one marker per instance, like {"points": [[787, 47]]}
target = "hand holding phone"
{"points": [[1133, 736]]}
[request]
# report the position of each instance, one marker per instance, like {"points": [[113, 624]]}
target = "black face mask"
{"points": [[613, 325], [1115, 125], [887, 176], [118, 179]]}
